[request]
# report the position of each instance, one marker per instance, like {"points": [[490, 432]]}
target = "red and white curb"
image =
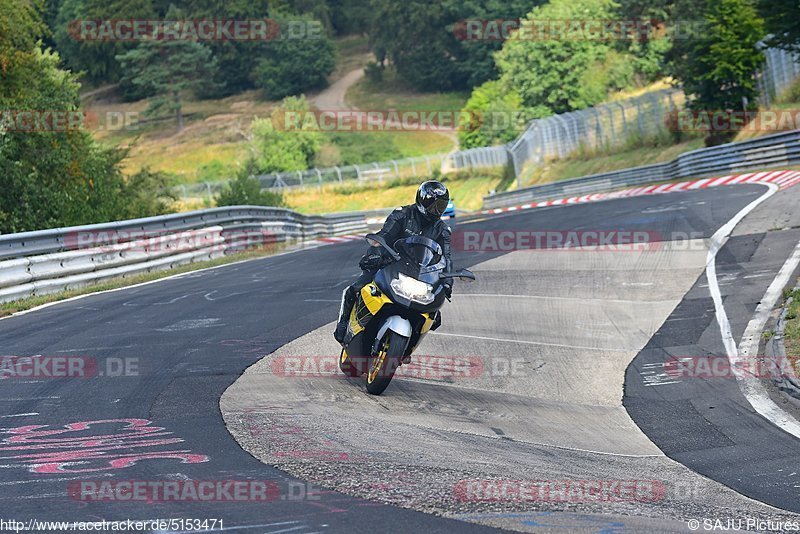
{"points": [[783, 179]]}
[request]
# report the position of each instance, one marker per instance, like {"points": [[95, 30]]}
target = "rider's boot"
{"points": [[348, 301]]}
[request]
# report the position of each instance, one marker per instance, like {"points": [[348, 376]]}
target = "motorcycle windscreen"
{"points": [[420, 250]]}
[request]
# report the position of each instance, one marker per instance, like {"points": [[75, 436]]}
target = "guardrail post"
{"points": [[396, 172], [639, 118], [339, 173], [358, 172], [319, 178], [430, 171], [624, 121]]}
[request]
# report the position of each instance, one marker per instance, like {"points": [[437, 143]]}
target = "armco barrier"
{"points": [[49, 261], [776, 150]]}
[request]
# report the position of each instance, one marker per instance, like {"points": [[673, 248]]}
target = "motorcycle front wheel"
{"points": [[383, 365]]}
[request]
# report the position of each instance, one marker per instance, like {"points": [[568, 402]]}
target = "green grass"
{"points": [[791, 337], [468, 191], [9, 308], [367, 147], [583, 165], [394, 94]]}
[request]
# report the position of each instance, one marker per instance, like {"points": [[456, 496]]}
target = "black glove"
{"points": [[371, 261]]}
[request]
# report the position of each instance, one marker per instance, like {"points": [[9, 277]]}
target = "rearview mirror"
{"points": [[464, 275], [377, 241]]}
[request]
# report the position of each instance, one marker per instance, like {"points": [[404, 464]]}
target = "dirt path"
{"points": [[333, 99]]}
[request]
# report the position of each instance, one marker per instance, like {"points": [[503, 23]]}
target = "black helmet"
{"points": [[432, 199]]}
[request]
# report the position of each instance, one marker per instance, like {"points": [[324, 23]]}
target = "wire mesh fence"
{"points": [[598, 128], [781, 69], [317, 177]]}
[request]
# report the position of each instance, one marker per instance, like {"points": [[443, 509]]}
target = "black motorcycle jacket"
{"points": [[407, 221]]}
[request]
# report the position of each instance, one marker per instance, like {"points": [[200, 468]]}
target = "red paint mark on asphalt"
{"points": [[79, 447]]}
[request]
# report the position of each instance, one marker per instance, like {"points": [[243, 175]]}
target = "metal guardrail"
{"points": [[48, 261], [774, 150]]}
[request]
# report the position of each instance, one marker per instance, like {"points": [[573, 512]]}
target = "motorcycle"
{"points": [[393, 313]]}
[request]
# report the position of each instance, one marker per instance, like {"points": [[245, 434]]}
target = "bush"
{"points": [[277, 146], [374, 72], [495, 115], [792, 94], [148, 193], [245, 190]]}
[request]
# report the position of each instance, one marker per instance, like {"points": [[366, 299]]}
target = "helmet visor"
{"points": [[437, 207]]}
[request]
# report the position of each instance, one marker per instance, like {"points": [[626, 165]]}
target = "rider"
{"points": [[424, 217]]}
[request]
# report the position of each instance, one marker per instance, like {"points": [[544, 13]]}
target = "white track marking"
{"points": [[750, 386], [549, 297], [525, 342]]}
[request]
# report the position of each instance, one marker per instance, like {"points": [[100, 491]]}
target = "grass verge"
{"points": [[392, 93], [10, 308], [580, 165], [467, 190], [791, 335]]}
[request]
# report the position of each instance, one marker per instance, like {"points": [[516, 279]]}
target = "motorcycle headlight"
{"points": [[413, 289]]}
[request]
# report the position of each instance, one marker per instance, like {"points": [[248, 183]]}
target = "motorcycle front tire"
{"points": [[378, 379]]}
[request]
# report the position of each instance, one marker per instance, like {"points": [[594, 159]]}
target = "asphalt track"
{"points": [[193, 336]]}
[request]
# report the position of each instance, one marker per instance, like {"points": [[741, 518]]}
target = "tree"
{"points": [[782, 18], [422, 41], [277, 145], [168, 68], [289, 66], [235, 59], [53, 176], [96, 59], [558, 75], [717, 67]]}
